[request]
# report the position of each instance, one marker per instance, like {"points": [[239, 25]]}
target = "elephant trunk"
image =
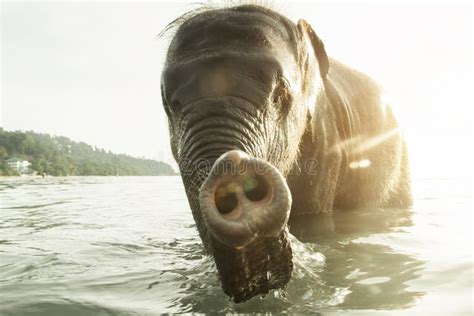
{"points": [[243, 199], [245, 203]]}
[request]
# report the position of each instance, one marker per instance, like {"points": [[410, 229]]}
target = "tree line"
{"points": [[60, 156]]}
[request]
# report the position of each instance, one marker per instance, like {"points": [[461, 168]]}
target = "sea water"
{"points": [[129, 245]]}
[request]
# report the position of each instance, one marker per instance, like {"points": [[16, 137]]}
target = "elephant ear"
{"points": [[318, 47]]}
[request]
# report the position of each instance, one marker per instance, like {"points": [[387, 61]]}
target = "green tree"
{"points": [[3, 153], [57, 155]]}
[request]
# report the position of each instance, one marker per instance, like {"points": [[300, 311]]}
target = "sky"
{"points": [[91, 71]]}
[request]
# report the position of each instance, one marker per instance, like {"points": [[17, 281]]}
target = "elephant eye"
{"points": [[282, 97]]}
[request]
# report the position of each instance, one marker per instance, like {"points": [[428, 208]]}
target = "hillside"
{"points": [[60, 156]]}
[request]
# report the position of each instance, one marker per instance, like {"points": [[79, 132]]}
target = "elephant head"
{"points": [[238, 87]]}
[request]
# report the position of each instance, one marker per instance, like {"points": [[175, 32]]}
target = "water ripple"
{"points": [[124, 246]]}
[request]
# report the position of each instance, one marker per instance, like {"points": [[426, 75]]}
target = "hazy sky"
{"points": [[91, 70]]}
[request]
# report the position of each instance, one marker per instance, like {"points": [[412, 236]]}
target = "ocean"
{"points": [[129, 246]]}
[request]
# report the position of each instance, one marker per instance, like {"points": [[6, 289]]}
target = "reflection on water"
{"points": [[75, 246], [373, 274]]}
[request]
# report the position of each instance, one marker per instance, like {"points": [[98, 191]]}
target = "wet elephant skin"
{"points": [[268, 130]]}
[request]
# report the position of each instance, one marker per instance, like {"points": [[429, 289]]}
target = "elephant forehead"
{"points": [[239, 31], [232, 75]]}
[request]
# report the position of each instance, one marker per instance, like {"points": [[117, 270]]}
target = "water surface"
{"points": [[128, 245]]}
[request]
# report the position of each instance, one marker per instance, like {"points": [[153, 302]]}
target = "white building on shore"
{"points": [[21, 166]]}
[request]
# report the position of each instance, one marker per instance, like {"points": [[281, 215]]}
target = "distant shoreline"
{"points": [[85, 176], [31, 153]]}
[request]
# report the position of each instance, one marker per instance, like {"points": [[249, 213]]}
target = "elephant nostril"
{"points": [[226, 203], [256, 189]]}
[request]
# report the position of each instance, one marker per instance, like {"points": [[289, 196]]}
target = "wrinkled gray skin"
{"points": [[246, 78]]}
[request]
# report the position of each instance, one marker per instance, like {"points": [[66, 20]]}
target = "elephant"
{"points": [[270, 135]]}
